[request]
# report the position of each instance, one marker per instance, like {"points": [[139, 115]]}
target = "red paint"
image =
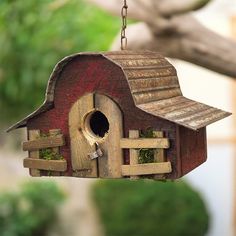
{"points": [[88, 74], [193, 149]]}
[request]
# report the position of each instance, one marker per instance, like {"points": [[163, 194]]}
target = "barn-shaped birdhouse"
{"points": [[114, 115]]}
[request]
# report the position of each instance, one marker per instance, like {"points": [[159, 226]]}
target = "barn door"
{"points": [[80, 147], [109, 165], [95, 124]]}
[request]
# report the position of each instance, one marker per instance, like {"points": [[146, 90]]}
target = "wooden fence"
{"points": [[133, 143], [38, 143]]}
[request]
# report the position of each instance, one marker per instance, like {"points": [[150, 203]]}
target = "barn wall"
{"points": [[86, 74], [192, 148]]}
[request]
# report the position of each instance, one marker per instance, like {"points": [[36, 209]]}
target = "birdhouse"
{"points": [[116, 115]]}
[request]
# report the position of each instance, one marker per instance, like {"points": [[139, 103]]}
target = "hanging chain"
{"points": [[123, 38]]}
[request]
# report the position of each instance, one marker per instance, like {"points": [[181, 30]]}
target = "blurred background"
{"points": [[34, 36]]}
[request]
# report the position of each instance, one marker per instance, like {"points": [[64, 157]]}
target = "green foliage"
{"points": [[146, 155], [146, 208], [34, 36], [31, 211], [49, 154]]}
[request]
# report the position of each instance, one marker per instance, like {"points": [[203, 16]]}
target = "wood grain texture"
{"points": [[80, 147], [112, 159], [100, 73], [150, 73], [159, 153], [159, 82], [55, 132], [95, 74], [41, 143], [133, 154], [151, 83], [155, 95], [144, 143], [146, 169], [50, 165], [34, 134]]}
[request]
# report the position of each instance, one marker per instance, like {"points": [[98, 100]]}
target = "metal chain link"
{"points": [[123, 38]]}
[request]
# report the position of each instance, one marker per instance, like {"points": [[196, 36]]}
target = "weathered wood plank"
{"points": [[159, 154], [110, 163], [42, 143], [55, 132], [144, 143], [133, 154], [50, 165], [140, 74], [156, 95], [146, 169], [80, 147], [34, 134], [141, 85]]}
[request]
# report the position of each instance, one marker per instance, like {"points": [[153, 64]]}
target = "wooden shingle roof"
{"points": [[154, 87]]}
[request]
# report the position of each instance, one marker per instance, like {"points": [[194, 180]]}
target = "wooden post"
{"points": [[133, 153], [34, 134], [159, 153], [54, 132]]}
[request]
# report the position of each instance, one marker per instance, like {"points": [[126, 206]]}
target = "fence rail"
{"points": [[37, 143], [158, 168]]}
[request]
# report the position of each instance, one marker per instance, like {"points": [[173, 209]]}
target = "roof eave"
{"points": [[22, 123]]}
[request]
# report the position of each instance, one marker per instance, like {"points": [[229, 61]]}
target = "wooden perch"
{"points": [[167, 30]]}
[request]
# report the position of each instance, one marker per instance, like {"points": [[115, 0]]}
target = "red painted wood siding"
{"points": [[192, 148], [96, 74]]}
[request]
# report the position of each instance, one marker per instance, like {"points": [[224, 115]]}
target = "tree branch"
{"points": [[178, 36], [175, 7], [199, 46], [135, 10], [150, 9]]}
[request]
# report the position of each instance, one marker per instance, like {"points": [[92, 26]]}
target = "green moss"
{"points": [[49, 154], [44, 135], [146, 155]]}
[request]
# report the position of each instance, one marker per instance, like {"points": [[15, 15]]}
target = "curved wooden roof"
{"points": [[153, 84]]}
